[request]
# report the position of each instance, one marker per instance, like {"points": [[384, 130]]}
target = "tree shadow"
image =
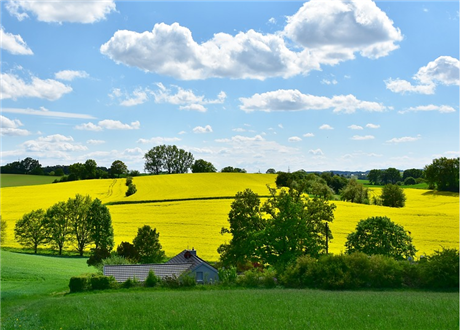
{"points": [[435, 193]]}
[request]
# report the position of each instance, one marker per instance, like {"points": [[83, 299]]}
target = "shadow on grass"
{"points": [[435, 193]]}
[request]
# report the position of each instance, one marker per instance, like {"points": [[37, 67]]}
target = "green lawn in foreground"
{"points": [[33, 297], [16, 180]]}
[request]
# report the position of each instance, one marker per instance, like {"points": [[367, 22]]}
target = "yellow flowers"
{"points": [[432, 218]]}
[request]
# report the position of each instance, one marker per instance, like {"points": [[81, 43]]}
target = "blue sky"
{"points": [[336, 85]]}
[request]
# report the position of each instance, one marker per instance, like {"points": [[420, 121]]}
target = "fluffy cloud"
{"points": [[405, 139], [444, 70], [14, 43], [316, 152], [362, 138], [185, 98], [326, 126], [431, 107], [334, 30], [294, 100], [294, 139], [59, 11], [70, 75], [10, 127], [158, 140], [94, 142], [53, 143], [108, 124], [355, 127], [324, 33], [373, 126], [13, 87], [309, 135], [200, 129]]}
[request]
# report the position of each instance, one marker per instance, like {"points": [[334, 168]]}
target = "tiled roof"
{"points": [[123, 272], [192, 258]]}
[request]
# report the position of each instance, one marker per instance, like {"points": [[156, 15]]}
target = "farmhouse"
{"points": [[186, 261]]}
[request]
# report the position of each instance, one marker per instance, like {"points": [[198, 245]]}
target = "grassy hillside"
{"points": [[16, 180], [33, 297], [432, 218]]}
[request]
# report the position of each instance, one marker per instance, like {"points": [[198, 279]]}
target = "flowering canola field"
{"points": [[432, 218]]}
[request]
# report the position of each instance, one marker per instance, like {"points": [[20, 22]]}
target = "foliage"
{"points": [[78, 283], [441, 269], [130, 282], [250, 278], [202, 166], [187, 279], [412, 173], [170, 281], [129, 180], [227, 276], [31, 230], [78, 215], [393, 196], [230, 169], [59, 225], [270, 171], [443, 174], [382, 177], [25, 166], [147, 243], [101, 228], [101, 282], [131, 189], [168, 158], [151, 280], [409, 181], [118, 169], [3, 226], [355, 192], [246, 224], [128, 251], [97, 256], [379, 235]]}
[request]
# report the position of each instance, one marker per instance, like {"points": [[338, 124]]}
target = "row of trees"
{"points": [[289, 225], [81, 222]]}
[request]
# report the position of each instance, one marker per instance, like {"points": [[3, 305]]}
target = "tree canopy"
{"points": [[443, 174], [393, 196], [31, 231], [379, 235], [167, 158], [202, 166], [147, 244]]}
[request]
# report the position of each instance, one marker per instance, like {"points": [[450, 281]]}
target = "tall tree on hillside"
{"points": [[375, 177], [443, 174], [154, 159], [393, 196], [355, 192], [379, 235], [30, 231], [78, 213], [147, 243], [58, 225], [202, 166], [391, 175], [118, 169], [246, 225], [101, 229], [90, 169]]}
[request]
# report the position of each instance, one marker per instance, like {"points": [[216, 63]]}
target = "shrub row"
{"points": [[91, 282], [357, 270]]}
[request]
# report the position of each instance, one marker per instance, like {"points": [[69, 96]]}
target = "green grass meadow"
{"points": [[16, 180], [35, 295]]}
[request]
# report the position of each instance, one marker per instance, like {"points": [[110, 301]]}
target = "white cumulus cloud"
{"points": [[10, 127], [13, 87], [70, 75], [326, 126], [431, 107], [53, 143], [200, 129], [59, 11], [294, 100], [14, 43], [355, 127], [405, 139], [362, 137], [373, 126], [108, 124], [294, 139]]}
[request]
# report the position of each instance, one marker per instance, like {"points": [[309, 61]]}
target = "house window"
{"points": [[199, 277]]}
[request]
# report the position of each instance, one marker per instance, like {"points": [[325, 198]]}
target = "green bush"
{"points": [[187, 279], [131, 190], [268, 278], [78, 283], [333, 273], [170, 281], [385, 272], [301, 273], [250, 278], [129, 180], [129, 283], [101, 282], [151, 279], [409, 181], [441, 270], [227, 276]]}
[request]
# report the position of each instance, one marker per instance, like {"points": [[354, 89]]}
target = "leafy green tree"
{"points": [[154, 159], [355, 192], [31, 166], [271, 171], [412, 173], [147, 243], [246, 225], [393, 196], [379, 235], [100, 225], [409, 181], [76, 171], [443, 174], [375, 177], [391, 175], [90, 171], [3, 226], [58, 225], [230, 169], [118, 169], [295, 225], [128, 251], [78, 214], [202, 166], [30, 231]]}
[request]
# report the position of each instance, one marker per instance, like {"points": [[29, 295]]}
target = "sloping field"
{"points": [[14, 180], [432, 218]]}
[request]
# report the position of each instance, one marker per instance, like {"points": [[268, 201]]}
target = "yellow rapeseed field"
{"points": [[432, 218]]}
